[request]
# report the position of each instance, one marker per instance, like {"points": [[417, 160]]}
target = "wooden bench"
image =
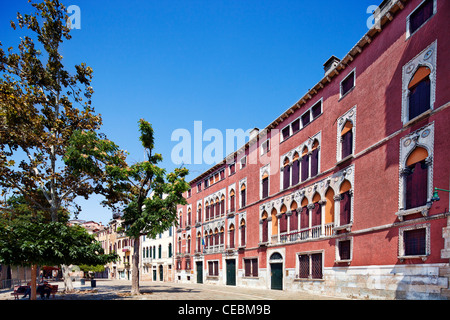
{"points": [[54, 290], [20, 291]]}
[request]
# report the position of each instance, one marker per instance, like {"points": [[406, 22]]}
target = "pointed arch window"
{"points": [[265, 227], [347, 140], [419, 90], [242, 230], [265, 185], [416, 179], [315, 158], [286, 173], [345, 203], [419, 84], [329, 206], [283, 219], [304, 215], [317, 211], [295, 169], [293, 218], [305, 164], [199, 213], [217, 210], [207, 211], [243, 196], [232, 201], [222, 205], [231, 236]]}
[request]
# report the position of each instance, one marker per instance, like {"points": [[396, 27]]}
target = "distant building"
{"points": [[157, 257]]}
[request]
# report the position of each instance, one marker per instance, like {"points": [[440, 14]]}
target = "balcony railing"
{"points": [[305, 234], [215, 248]]}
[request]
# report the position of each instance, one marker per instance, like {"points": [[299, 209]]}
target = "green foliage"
{"points": [[47, 119], [150, 195], [25, 241]]}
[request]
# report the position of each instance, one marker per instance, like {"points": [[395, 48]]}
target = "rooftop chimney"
{"points": [[253, 133], [330, 64]]}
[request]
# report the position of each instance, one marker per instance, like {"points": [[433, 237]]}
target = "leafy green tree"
{"points": [[29, 242], [148, 195], [28, 237], [44, 111]]}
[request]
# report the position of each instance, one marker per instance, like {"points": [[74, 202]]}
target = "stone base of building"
{"points": [[411, 282]]}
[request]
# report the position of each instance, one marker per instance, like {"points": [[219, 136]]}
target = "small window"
{"points": [[347, 84], [295, 126], [310, 266], [213, 268], [243, 162], [251, 267], [265, 146], [232, 168], [316, 110], [420, 15], [344, 247], [415, 242], [285, 133], [199, 187], [306, 118]]}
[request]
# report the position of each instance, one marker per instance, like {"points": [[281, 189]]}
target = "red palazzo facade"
{"points": [[336, 196]]}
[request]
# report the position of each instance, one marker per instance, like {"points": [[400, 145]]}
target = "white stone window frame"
{"points": [[299, 149], [251, 271], [290, 131], [408, 18], [232, 187], [350, 115], [241, 182], [300, 126], [199, 203], [352, 72], [337, 252], [243, 162], [401, 242], [423, 137], [309, 254], [265, 142], [242, 216], [262, 171], [321, 187], [426, 58]]}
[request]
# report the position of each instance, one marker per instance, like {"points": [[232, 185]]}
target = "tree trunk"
{"points": [[68, 285], [33, 282], [135, 268]]}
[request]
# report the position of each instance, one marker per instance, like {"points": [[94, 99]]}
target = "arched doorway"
{"points": [[161, 273], [276, 271]]}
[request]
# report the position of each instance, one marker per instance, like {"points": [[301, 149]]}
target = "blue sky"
{"points": [[230, 64]]}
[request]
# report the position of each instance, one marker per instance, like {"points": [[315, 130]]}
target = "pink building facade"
{"points": [[336, 196]]}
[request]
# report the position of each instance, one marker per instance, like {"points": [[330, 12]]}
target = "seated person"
{"points": [[44, 289]]}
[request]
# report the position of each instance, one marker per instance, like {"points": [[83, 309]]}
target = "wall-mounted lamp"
{"points": [[436, 195]]}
